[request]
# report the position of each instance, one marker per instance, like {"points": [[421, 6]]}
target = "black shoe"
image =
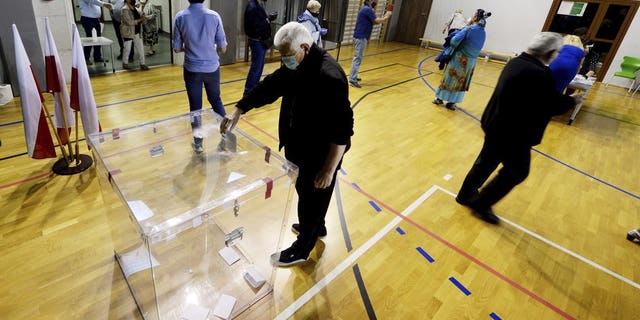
{"points": [[355, 84], [464, 201], [437, 101], [100, 60], [441, 66], [119, 57], [288, 257], [486, 215], [359, 79], [634, 236], [295, 228], [451, 106]]}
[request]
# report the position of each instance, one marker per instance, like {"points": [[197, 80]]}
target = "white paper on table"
{"points": [[224, 307], [137, 260], [140, 210], [194, 312], [233, 176]]}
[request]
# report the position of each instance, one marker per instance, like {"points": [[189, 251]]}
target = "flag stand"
{"points": [[66, 166], [82, 162]]}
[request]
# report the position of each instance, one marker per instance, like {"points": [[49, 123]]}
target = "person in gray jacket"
{"points": [[130, 29], [309, 19]]}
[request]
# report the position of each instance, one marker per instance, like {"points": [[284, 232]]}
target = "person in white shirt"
{"points": [[90, 13], [456, 22]]}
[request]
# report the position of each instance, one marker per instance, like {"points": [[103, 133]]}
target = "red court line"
{"points": [[36, 177], [451, 246], [465, 254]]}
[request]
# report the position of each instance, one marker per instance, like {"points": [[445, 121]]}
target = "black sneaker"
{"points": [[437, 101], [451, 106], [295, 228], [355, 84], [197, 145], [288, 257]]}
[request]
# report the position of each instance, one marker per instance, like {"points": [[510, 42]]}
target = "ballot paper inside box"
{"points": [[193, 232]]}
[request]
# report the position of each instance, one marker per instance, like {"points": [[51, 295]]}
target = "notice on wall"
{"points": [[571, 8]]}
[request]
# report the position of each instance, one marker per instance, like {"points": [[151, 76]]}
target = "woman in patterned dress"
{"points": [[457, 75]]}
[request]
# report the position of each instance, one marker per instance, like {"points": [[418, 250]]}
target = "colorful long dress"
{"points": [[458, 73]]}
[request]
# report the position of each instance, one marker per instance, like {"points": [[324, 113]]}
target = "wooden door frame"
{"points": [[633, 8]]}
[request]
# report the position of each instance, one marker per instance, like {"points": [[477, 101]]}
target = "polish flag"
{"points": [[81, 91], [36, 131], [56, 85]]}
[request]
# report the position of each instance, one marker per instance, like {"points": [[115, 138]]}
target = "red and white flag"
{"points": [[81, 91], [56, 85], [36, 131]]}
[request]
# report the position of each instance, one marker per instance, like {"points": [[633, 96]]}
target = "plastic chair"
{"points": [[638, 86], [629, 67]]}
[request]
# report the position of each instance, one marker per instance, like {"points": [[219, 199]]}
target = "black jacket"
{"points": [[315, 109], [523, 102], [256, 21]]}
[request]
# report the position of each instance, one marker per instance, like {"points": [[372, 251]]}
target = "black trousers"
{"points": [[116, 27], [88, 24], [313, 203], [516, 162]]}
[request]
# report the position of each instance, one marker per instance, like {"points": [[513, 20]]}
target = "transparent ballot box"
{"points": [[193, 232]]}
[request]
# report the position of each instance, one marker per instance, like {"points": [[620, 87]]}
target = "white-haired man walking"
{"points": [[516, 116]]}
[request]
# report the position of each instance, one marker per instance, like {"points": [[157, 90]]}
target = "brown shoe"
{"points": [[144, 67], [125, 66]]}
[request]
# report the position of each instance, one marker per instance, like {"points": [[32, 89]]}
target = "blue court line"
{"points": [[343, 172], [460, 286], [540, 152], [355, 185], [375, 206], [400, 231], [494, 316], [425, 255]]}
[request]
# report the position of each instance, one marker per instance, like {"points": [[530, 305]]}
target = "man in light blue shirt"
{"points": [[198, 32], [90, 14]]}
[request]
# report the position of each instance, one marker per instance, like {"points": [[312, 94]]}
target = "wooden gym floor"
{"points": [[399, 247]]}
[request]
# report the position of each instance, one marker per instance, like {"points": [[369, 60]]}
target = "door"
{"points": [[603, 22], [412, 20]]}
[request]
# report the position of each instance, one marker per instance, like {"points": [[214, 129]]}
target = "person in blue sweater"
{"points": [[364, 25], [565, 67]]}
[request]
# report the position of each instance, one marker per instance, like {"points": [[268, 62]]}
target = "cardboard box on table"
{"points": [[174, 214]]}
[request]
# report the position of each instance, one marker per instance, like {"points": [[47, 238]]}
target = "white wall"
{"points": [[509, 29], [514, 22], [60, 15], [630, 46]]}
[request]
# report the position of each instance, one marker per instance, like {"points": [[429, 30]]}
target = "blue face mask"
{"points": [[290, 62]]}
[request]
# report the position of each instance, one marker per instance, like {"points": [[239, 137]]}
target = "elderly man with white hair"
{"points": [[514, 120], [315, 128]]}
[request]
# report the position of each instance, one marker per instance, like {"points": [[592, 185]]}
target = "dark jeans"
{"points": [[88, 24], [194, 82], [516, 161], [258, 53]]}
